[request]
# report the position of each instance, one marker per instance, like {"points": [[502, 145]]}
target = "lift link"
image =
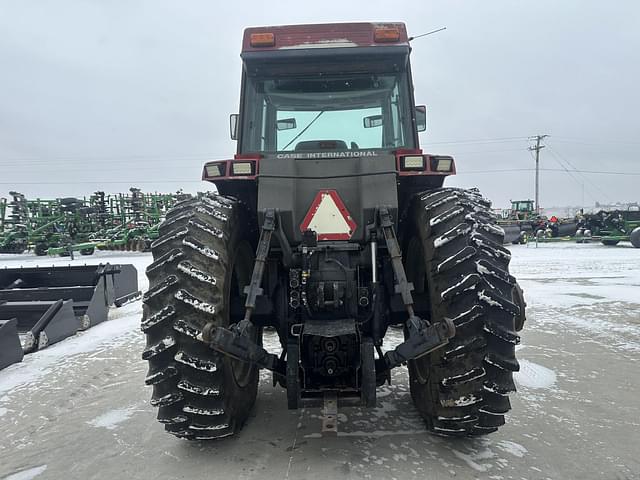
{"points": [[253, 289], [422, 338], [235, 341], [403, 287]]}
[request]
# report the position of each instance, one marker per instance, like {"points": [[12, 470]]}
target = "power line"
{"points": [[513, 170], [480, 141], [573, 177], [591, 141], [562, 158]]}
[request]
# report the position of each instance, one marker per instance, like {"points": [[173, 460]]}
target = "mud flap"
{"points": [[10, 348]]}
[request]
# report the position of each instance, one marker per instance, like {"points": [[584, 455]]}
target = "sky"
{"points": [[104, 95]]}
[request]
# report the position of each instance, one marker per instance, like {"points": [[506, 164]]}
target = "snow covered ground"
{"points": [[79, 409]]}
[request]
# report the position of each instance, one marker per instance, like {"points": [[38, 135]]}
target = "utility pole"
{"points": [[537, 147]]}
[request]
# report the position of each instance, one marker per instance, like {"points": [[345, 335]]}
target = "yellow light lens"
{"points": [[242, 168], [414, 162], [444, 165]]}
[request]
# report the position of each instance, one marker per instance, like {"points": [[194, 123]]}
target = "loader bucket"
{"points": [[10, 348], [52, 303], [92, 288], [41, 323]]}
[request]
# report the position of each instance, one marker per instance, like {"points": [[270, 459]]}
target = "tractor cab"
{"points": [[327, 101], [522, 209]]}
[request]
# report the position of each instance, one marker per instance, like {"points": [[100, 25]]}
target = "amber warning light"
{"points": [[386, 34], [262, 40]]}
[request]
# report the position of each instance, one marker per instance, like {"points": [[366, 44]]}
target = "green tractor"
{"points": [[520, 222], [330, 225]]}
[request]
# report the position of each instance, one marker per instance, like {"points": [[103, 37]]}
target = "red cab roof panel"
{"points": [[329, 35]]}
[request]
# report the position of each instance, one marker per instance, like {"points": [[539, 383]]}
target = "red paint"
{"points": [[304, 226], [287, 36]]}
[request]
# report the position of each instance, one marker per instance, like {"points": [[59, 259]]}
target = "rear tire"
{"points": [[201, 259], [41, 249], [635, 238], [462, 389]]}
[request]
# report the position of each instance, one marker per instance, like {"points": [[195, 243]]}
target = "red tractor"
{"points": [[330, 225]]}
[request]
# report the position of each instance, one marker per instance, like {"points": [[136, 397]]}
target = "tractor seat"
{"points": [[314, 145]]}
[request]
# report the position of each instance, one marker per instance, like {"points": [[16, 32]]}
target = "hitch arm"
{"points": [[235, 342], [422, 337], [253, 289], [403, 286]]}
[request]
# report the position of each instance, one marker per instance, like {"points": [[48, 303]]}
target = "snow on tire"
{"points": [[462, 389], [200, 260]]}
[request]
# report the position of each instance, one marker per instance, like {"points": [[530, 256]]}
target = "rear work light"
{"points": [[242, 168], [386, 34], [262, 40], [441, 164], [412, 162], [215, 170]]}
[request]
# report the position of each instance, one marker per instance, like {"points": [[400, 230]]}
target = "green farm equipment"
{"points": [[611, 227], [520, 221], [14, 236], [67, 225]]}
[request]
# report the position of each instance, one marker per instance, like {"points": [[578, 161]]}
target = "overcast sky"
{"points": [[117, 93]]}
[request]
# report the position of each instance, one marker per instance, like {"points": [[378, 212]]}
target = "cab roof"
{"points": [[328, 35]]}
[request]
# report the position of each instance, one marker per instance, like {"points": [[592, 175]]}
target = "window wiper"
{"points": [[304, 129]]}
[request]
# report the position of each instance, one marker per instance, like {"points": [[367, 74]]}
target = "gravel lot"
{"points": [[79, 409]]}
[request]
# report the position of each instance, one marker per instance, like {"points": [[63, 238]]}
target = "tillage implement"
{"points": [[329, 226]]}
